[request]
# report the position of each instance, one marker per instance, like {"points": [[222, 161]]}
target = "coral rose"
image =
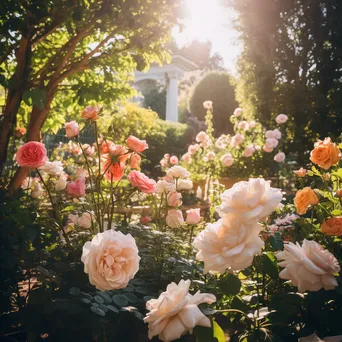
{"points": [[176, 311], [309, 267], [71, 129], [325, 154], [145, 219], [111, 260], [230, 245], [301, 172], [135, 161], [193, 216], [251, 201], [142, 182], [76, 188], [135, 144], [174, 199], [174, 218], [332, 226], [178, 172], [91, 113], [304, 198], [31, 154]]}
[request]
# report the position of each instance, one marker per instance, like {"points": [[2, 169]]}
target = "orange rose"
{"points": [[304, 198], [325, 154], [332, 226]]}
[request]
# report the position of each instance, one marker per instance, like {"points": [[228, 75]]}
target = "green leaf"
{"points": [[75, 291], [269, 266], [230, 284], [212, 334], [120, 300], [218, 332], [132, 298], [97, 311], [99, 299], [276, 242], [113, 309]]}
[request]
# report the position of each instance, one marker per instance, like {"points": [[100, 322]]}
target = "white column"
{"points": [[172, 97]]}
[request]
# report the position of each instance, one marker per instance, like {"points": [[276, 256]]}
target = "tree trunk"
{"points": [[17, 87]]}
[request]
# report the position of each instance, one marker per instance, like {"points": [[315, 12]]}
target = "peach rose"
{"points": [[202, 136], [186, 157], [304, 198], [91, 113], [271, 142], [135, 144], [227, 159], [184, 184], [142, 182], [192, 149], [111, 260], [164, 186], [174, 199], [267, 149], [309, 267], [71, 129], [176, 311], [61, 183], [174, 218], [135, 161], [301, 172], [279, 157], [325, 154], [243, 125], [76, 188], [230, 245], [281, 118], [332, 226], [193, 216], [31, 154]]}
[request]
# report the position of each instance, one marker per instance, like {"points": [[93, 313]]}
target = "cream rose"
{"points": [[164, 186], [252, 200], [178, 172], [111, 259], [228, 245], [61, 183], [184, 184], [176, 311], [52, 168], [309, 267]]}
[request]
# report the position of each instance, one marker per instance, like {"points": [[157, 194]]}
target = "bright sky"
{"points": [[210, 20]]}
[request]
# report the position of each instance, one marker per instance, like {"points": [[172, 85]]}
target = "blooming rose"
{"points": [[237, 111], [249, 150], [71, 129], [145, 219], [208, 104], [276, 134], [175, 312], [61, 183], [186, 157], [314, 338], [237, 140], [252, 124], [228, 245], [37, 190], [111, 259], [332, 226], [135, 144], [192, 149], [301, 172], [267, 149], [206, 143], [91, 113], [227, 159], [279, 157], [325, 154], [269, 134], [31, 154], [304, 198], [251, 201], [142, 182], [174, 218], [174, 160], [309, 267], [243, 125], [135, 161], [174, 199], [184, 184], [165, 186], [85, 220], [52, 168], [107, 146], [193, 216], [178, 172], [201, 136], [76, 188], [211, 155], [281, 118], [271, 142]]}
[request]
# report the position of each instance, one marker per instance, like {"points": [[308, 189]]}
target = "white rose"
{"points": [[52, 168], [61, 183], [252, 200], [111, 259], [174, 218], [176, 311], [184, 184], [228, 245], [164, 186], [309, 267], [85, 221], [178, 172]]}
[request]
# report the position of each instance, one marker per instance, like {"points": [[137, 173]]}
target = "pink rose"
{"points": [[277, 134], [237, 140], [238, 111], [201, 136], [211, 155], [227, 159], [267, 149], [163, 163], [174, 199], [135, 144], [174, 160], [269, 134], [31, 154], [193, 216], [281, 118], [145, 219], [71, 129], [249, 150], [166, 156], [186, 157], [271, 142], [279, 157], [142, 182], [76, 188], [243, 125], [192, 149], [301, 172], [174, 218], [91, 113], [135, 161], [252, 124]]}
